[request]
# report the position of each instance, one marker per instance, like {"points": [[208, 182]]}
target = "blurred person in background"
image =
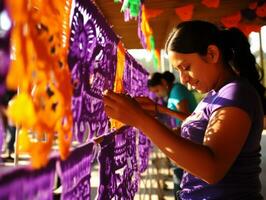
{"points": [[180, 103]]}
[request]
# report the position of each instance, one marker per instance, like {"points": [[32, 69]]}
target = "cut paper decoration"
{"points": [[39, 56], [152, 13], [253, 5], [248, 28], [156, 57], [144, 147], [135, 78], [127, 16], [145, 28], [25, 183], [4, 51], [94, 53], [131, 6], [139, 78], [118, 83], [261, 10], [141, 34], [127, 76], [38, 146], [119, 176], [92, 61], [26, 116], [120, 67], [232, 20], [75, 172], [211, 3], [119, 166], [145, 35], [2, 133], [185, 13], [134, 6]]}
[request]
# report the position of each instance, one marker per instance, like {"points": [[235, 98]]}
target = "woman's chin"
{"points": [[195, 87], [200, 90]]}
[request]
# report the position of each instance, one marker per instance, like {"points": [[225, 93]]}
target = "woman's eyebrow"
{"points": [[180, 64]]}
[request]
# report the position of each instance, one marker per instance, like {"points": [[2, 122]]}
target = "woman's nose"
{"points": [[184, 78]]}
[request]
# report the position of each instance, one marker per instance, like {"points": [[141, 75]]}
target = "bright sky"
{"points": [[5, 23], [254, 40]]}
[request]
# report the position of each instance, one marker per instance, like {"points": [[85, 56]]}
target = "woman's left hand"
{"points": [[123, 108]]}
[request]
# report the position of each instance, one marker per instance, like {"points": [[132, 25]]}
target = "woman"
{"points": [[219, 146], [180, 101]]}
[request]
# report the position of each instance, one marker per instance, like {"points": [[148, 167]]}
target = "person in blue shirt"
{"points": [[180, 104], [180, 101]]}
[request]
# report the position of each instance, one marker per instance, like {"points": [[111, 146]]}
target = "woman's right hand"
{"points": [[148, 105]]}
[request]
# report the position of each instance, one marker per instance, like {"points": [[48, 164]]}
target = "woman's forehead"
{"points": [[177, 59]]}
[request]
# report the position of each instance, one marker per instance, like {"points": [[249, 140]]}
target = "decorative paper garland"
{"points": [[40, 71], [118, 83]]}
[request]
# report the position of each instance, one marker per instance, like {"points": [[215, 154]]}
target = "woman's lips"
{"points": [[194, 85]]}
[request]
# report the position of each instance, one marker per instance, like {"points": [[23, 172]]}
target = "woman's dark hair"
{"points": [[156, 78], [196, 36]]}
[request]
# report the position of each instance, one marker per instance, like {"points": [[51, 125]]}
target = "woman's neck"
{"points": [[226, 76]]}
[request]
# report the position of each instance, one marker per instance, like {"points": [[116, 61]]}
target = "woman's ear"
{"points": [[213, 54]]}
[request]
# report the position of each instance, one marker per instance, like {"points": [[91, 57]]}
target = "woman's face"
{"points": [[159, 90], [200, 72]]}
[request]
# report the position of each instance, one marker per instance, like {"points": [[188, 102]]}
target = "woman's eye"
{"points": [[186, 68]]}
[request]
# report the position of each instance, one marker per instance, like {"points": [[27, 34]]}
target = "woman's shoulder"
{"points": [[238, 88], [238, 93]]}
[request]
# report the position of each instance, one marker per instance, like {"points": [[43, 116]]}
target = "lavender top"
{"points": [[242, 179]]}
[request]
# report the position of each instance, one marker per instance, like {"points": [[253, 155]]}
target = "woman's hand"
{"points": [[123, 108], [148, 105], [177, 130]]}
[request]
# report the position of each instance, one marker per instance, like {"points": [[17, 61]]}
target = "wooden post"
{"points": [[261, 54], [162, 61], [16, 157], [16, 147]]}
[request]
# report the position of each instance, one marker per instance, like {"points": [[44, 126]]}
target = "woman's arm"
{"points": [[150, 106], [181, 114], [228, 128], [224, 138]]}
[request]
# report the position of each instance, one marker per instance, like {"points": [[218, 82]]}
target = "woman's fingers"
{"points": [[113, 96], [143, 100], [146, 103], [108, 101], [109, 111], [148, 107], [123, 108], [151, 113]]}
